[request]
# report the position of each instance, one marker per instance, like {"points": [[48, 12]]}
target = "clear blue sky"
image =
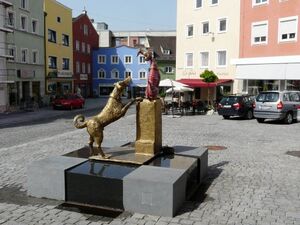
{"points": [[128, 14]]}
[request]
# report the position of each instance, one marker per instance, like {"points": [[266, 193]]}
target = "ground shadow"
{"points": [[200, 195], [14, 195]]}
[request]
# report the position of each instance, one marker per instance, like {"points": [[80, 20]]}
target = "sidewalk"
{"points": [[14, 118]]}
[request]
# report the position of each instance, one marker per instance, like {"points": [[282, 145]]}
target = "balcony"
{"points": [[6, 3], [5, 52], [6, 29]]}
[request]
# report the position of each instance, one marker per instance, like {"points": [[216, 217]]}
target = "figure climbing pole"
{"points": [[149, 121]]}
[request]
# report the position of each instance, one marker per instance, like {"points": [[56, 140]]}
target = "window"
{"points": [[214, 2], [294, 97], [189, 59], [222, 25], [12, 52], [168, 69], [52, 62], [190, 30], [23, 23], [83, 67], [34, 24], [65, 40], [101, 74], [101, 59], [205, 27], [114, 74], [10, 19], [142, 60], [114, 59], [85, 30], [35, 57], [24, 55], [166, 51], [77, 67], [83, 47], [128, 59], [204, 56], [142, 74], [51, 36], [88, 48], [259, 2], [221, 58], [66, 64], [259, 32], [89, 68], [198, 3], [128, 73], [77, 45], [287, 30], [24, 4], [58, 19]]}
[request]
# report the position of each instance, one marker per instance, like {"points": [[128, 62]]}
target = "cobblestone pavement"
{"points": [[252, 182]]}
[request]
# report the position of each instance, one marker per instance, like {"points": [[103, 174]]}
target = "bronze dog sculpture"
{"points": [[113, 110]]}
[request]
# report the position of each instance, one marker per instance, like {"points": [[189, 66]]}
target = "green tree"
{"points": [[209, 76]]}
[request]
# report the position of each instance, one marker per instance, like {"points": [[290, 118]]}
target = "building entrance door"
{"points": [[25, 90]]}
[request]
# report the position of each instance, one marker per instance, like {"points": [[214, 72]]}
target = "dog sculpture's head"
{"points": [[120, 87], [124, 83]]}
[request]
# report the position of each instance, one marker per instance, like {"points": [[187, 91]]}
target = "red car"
{"points": [[68, 102]]}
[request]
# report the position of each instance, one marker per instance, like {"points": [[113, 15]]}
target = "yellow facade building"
{"points": [[58, 48]]}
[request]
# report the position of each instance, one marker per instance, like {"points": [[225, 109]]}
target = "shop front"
{"points": [[214, 89], [268, 73]]}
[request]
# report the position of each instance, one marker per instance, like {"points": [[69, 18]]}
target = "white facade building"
{"points": [[207, 38]]}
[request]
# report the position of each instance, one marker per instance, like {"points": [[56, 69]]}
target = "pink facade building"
{"points": [[269, 56]]}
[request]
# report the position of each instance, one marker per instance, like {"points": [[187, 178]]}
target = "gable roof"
{"points": [[160, 44]]}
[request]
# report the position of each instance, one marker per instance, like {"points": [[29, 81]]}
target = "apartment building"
{"points": [[22, 43], [111, 65], [85, 38], [207, 38], [4, 56], [269, 46], [59, 48]]}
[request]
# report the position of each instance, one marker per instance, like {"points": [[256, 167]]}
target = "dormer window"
{"points": [[166, 51]]}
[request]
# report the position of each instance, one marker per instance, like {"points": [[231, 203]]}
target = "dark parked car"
{"points": [[68, 102], [236, 105]]}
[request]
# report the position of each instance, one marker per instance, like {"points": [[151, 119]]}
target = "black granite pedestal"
{"points": [[97, 183]]}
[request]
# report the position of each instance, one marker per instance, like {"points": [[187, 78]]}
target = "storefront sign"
{"points": [[27, 74], [83, 77], [64, 73]]}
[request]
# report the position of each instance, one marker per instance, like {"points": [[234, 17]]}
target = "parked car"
{"points": [[236, 105], [277, 105], [70, 101]]}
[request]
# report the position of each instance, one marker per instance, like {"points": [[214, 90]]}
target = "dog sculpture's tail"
{"points": [[79, 122]]}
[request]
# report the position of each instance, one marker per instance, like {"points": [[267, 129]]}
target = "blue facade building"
{"points": [[111, 65]]}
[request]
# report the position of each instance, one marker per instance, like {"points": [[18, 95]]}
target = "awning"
{"points": [[138, 85], [201, 83], [268, 68]]}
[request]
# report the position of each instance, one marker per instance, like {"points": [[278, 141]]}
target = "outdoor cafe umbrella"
{"points": [[179, 89], [171, 83]]}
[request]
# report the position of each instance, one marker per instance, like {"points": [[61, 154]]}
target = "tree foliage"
{"points": [[209, 76]]}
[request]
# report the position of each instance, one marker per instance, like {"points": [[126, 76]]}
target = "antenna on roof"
{"points": [[84, 9]]}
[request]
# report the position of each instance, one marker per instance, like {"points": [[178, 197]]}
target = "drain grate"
{"points": [[293, 153], [215, 147]]}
